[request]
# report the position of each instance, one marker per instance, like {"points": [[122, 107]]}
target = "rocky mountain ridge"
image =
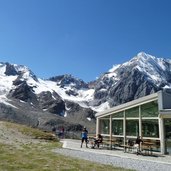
{"points": [[65, 101], [142, 75]]}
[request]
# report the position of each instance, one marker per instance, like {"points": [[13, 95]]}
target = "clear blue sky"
{"points": [[82, 37]]}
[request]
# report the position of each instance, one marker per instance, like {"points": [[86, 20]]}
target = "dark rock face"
{"points": [[17, 82], [71, 93], [47, 101], [23, 92], [18, 115], [10, 70], [64, 80], [76, 127], [83, 116], [132, 84]]}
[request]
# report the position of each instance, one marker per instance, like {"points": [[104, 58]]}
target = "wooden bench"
{"points": [[107, 143], [127, 148], [147, 147]]}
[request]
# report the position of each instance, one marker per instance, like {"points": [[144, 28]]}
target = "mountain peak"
{"points": [[69, 80], [143, 59], [142, 56]]}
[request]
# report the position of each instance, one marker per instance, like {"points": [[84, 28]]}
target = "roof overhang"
{"points": [[166, 113]]}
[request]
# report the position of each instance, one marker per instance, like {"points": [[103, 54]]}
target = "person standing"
{"points": [[84, 137], [62, 131]]}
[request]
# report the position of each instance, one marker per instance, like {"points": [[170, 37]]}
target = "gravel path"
{"points": [[118, 161], [139, 165]]}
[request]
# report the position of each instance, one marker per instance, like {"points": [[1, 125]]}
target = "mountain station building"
{"points": [[148, 117]]}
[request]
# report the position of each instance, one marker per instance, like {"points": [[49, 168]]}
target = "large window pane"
{"points": [[134, 112], [118, 115], [167, 127], [150, 128], [104, 126], [132, 127], [150, 109], [117, 127]]}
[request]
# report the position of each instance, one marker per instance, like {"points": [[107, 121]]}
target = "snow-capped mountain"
{"points": [[66, 86], [142, 75], [69, 101], [26, 98], [157, 70]]}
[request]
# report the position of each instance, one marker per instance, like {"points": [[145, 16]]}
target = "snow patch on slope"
{"points": [[102, 107], [6, 82], [4, 100], [84, 95]]}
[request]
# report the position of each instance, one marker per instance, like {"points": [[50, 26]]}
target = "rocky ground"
{"points": [[12, 136]]}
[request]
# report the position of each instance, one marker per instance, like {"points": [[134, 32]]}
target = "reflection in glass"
{"points": [[134, 112], [104, 126], [150, 109], [117, 127], [118, 115], [132, 127], [167, 128], [150, 128]]}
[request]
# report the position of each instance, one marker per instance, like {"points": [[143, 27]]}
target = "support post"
{"points": [[124, 131], [140, 123], [110, 131], [97, 126], [162, 135]]}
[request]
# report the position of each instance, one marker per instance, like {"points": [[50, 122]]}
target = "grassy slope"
{"points": [[35, 152]]}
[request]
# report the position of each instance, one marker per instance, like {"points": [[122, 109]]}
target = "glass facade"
{"points": [[117, 127], [167, 128], [118, 115], [132, 128], [104, 126], [150, 109], [144, 116], [133, 112], [150, 128]]}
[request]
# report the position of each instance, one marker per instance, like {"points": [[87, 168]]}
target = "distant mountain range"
{"points": [[65, 101]]}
